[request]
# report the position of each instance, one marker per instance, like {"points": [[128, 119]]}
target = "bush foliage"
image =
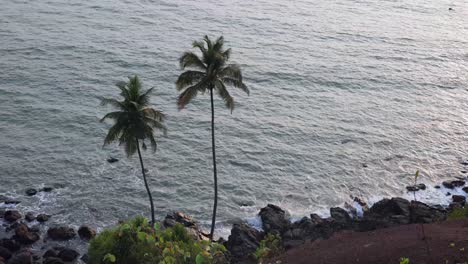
{"points": [[269, 247], [458, 213], [136, 241]]}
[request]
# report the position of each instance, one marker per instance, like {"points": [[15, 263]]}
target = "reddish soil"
{"points": [[447, 243]]}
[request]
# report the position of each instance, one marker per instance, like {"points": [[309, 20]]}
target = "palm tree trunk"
{"points": [[146, 183], [215, 206]]}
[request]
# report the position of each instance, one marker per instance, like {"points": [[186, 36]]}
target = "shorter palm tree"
{"points": [[135, 121]]}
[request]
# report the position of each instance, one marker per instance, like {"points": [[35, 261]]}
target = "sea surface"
{"points": [[348, 98]]}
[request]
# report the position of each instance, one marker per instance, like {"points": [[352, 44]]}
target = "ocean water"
{"points": [[348, 98]]}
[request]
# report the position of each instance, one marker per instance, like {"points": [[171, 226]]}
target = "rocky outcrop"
{"points": [[423, 213], [24, 235], [190, 225], [12, 215], [86, 232], [24, 257], [5, 253], [61, 233], [453, 184], [274, 219], [243, 241], [42, 218]]}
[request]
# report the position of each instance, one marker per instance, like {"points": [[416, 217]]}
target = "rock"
{"points": [[12, 215], [292, 244], [243, 241], [437, 186], [5, 253], [465, 189], [385, 213], [47, 189], [24, 235], [463, 171], [421, 186], [85, 258], [274, 219], [464, 162], [316, 219], [453, 206], [10, 244], [423, 213], [61, 233], [448, 194], [412, 188], [86, 232], [31, 192], [24, 257], [453, 184], [190, 225], [50, 253], [459, 199], [53, 260], [42, 218], [68, 254], [360, 201], [30, 217], [112, 160], [340, 215]]}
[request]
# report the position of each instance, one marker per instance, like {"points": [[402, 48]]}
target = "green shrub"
{"points": [[459, 213], [137, 242], [404, 261], [269, 247]]}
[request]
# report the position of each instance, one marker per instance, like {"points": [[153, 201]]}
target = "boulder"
{"points": [[385, 213], [86, 232], [85, 258], [453, 206], [52, 260], [340, 215], [112, 160], [30, 217], [243, 241], [50, 253], [190, 225], [459, 199], [423, 213], [24, 235], [68, 254], [316, 219], [274, 219], [24, 257], [42, 218], [31, 192], [5, 253], [465, 189], [453, 184], [10, 244], [47, 189], [12, 215], [416, 187], [61, 233]]}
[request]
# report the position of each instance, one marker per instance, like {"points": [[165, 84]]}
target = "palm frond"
{"points": [[190, 59], [187, 78], [224, 94], [236, 83], [154, 114], [115, 103], [191, 92], [112, 115], [232, 71], [218, 45], [200, 45], [208, 42], [144, 98]]}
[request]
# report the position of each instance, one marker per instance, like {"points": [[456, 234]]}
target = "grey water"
{"points": [[348, 98]]}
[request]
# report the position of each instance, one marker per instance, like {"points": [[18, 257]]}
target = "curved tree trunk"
{"points": [[146, 182], [215, 206]]}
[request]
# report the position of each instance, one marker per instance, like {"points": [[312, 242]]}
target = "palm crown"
{"points": [[210, 71], [135, 119]]}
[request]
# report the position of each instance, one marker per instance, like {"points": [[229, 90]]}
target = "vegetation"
{"points": [[138, 242], [404, 261], [269, 247], [134, 122], [458, 213], [210, 72]]}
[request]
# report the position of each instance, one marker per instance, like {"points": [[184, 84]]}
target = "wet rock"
{"points": [[112, 160], [42, 218], [453, 206], [24, 235], [340, 215], [190, 225], [53, 260], [316, 219], [86, 232], [453, 184], [274, 219], [465, 189], [5, 253], [292, 244], [385, 213], [30, 217], [85, 258], [24, 257], [243, 241], [423, 213], [50, 253], [12, 215], [10, 244], [47, 189], [464, 162], [448, 194], [61, 233], [31, 192], [459, 199], [412, 188], [463, 171], [437, 186], [68, 254]]}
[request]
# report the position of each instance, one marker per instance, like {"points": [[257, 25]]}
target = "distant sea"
{"points": [[348, 98]]}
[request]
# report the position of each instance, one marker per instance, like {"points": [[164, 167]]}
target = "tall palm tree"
{"points": [[210, 72], [134, 122]]}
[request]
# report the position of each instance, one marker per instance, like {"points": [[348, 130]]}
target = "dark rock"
{"points": [[190, 225], [453, 206], [24, 257], [463, 171], [53, 260], [437, 186], [316, 219], [30, 217], [292, 244], [12, 215], [243, 241], [47, 189], [112, 160], [453, 184], [274, 219], [12, 202], [86, 232], [61, 233], [464, 162], [421, 186], [360, 201], [423, 213], [448, 194], [412, 188], [465, 189], [50, 253], [42, 218], [10, 244], [85, 258], [5, 253], [31, 192], [68, 254], [385, 213], [459, 199], [35, 228], [24, 235], [340, 215]]}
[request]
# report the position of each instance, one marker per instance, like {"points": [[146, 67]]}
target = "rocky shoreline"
{"points": [[27, 241]]}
